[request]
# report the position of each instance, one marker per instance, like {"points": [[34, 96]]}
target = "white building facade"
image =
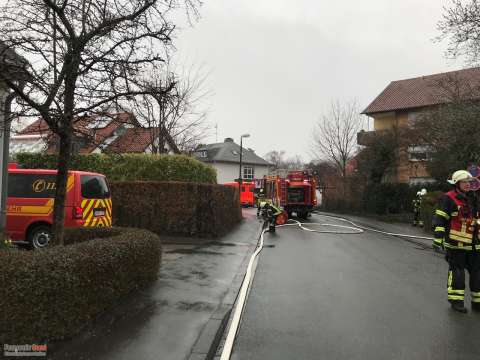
{"points": [[225, 158]]}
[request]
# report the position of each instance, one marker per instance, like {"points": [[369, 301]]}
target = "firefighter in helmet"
{"points": [[270, 213], [417, 204], [455, 227], [260, 200]]}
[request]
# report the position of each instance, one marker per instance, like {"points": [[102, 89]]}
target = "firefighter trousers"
{"points": [[458, 261]]}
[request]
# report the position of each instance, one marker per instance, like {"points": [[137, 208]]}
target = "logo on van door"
{"points": [[42, 185]]}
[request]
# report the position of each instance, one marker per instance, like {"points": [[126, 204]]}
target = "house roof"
{"points": [[82, 127], [136, 140], [82, 124], [229, 152], [424, 91], [133, 138]]}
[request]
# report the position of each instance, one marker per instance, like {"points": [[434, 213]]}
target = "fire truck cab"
{"points": [[296, 192]]}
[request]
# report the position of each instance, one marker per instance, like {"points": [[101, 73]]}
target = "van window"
{"points": [[31, 185], [94, 187]]}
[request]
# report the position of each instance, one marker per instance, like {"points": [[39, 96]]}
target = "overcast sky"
{"points": [[275, 65]]}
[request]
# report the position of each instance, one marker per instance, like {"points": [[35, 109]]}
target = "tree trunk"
{"points": [[64, 154]]}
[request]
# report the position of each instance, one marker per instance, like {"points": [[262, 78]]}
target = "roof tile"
{"points": [[424, 91]]}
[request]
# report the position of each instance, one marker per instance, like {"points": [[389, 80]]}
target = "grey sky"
{"points": [[275, 65]]}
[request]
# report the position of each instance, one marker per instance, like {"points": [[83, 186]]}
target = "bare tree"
{"points": [[335, 135], [276, 158], [83, 56], [461, 26], [174, 109], [450, 130], [279, 162]]}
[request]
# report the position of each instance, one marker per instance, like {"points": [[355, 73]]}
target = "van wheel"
{"points": [[40, 236]]}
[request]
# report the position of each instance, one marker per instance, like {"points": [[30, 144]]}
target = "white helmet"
{"points": [[460, 175], [419, 193], [423, 192]]}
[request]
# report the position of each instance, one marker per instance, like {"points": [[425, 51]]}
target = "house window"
{"points": [[248, 173], [419, 153], [202, 154], [412, 118]]}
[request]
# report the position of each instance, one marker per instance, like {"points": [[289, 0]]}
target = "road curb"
{"points": [[206, 346]]}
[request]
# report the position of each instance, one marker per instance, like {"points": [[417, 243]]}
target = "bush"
{"points": [[388, 198], [56, 292], [174, 208], [380, 199], [130, 167], [77, 235]]}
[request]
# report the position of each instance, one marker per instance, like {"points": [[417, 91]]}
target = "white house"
{"points": [[225, 158]]}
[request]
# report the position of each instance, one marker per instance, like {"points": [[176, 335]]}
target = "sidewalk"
{"points": [[181, 315]]}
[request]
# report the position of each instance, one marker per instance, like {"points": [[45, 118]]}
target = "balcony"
{"points": [[366, 138]]}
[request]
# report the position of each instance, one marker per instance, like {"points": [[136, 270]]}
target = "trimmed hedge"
{"points": [[379, 199], [54, 293], [173, 208], [130, 167]]}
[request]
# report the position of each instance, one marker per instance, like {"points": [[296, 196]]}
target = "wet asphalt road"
{"points": [[366, 296], [164, 321]]}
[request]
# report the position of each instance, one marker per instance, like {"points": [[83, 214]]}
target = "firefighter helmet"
{"points": [[423, 192], [459, 175]]}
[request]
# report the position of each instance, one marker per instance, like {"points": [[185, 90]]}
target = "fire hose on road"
{"points": [[248, 280]]}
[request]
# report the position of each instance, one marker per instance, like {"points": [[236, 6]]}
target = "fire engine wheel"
{"points": [[40, 236]]}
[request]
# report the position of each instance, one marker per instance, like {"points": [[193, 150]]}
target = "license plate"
{"points": [[99, 212]]}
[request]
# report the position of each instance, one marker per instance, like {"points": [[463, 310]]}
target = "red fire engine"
{"points": [[295, 192], [246, 192]]}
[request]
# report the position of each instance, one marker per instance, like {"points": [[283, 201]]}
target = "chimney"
{"points": [[228, 140]]}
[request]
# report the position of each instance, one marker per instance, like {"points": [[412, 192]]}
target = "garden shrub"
{"points": [[129, 167], [54, 293]]}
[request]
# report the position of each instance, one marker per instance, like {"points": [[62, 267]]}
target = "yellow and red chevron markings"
{"points": [[88, 206]]}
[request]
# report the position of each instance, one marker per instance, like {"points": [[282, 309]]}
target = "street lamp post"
{"points": [[240, 176]]}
